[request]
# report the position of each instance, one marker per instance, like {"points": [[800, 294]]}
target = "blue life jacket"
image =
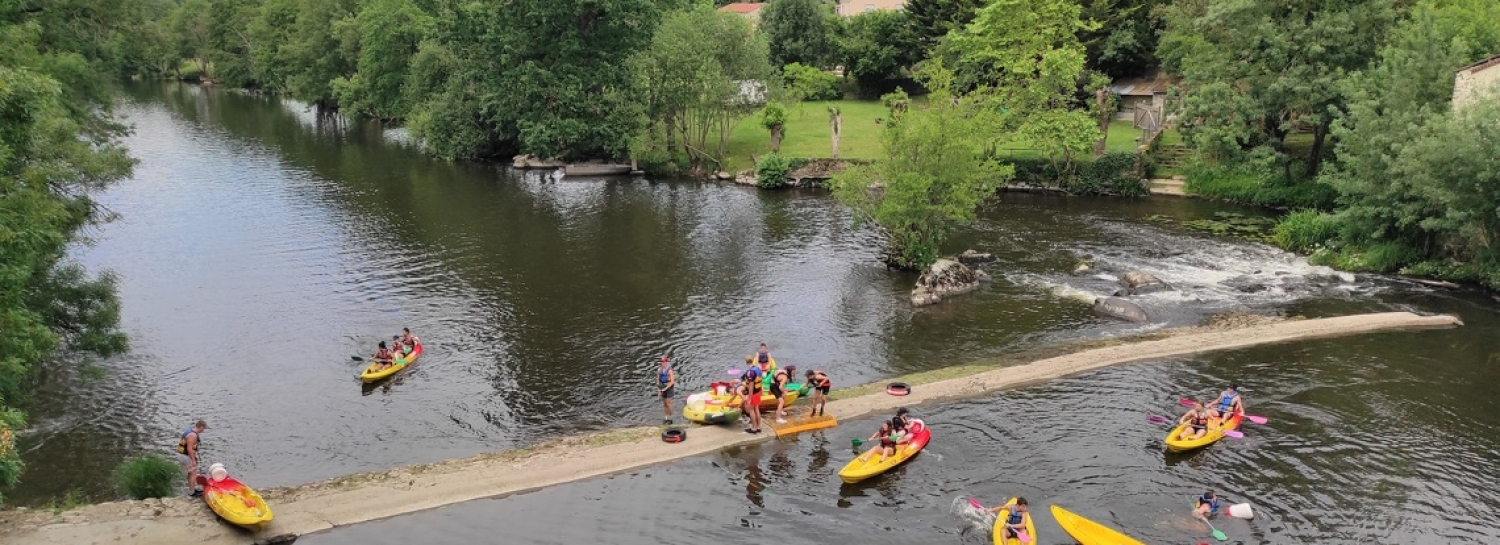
{"points": [[664, 376], [1016, 517], [1226, 400], [1213, 504]]}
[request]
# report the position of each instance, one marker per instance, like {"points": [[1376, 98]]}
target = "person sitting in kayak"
{"points": [[764, 360], [750, 387], [779, 380], [888, 437], [1227, 404], [409, 340], [1015, 518], [384, 358], [820, 386], [1198, 419], [1206, 505], [912, 425]]}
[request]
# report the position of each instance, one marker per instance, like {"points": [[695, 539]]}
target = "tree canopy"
{"points": [[798, 31]]}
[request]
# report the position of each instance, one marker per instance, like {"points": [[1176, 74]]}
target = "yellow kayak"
{"points": [[1214, 434], [1088, 532], [705, 408], [858, 470], [236, 503], [999, 530], [370, 375]]}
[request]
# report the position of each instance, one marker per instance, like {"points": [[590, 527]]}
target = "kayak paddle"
{"points": [[1157, 419], [356, 358], [1234, 434], [1217, 534], [1261, 420], [975, 503]]}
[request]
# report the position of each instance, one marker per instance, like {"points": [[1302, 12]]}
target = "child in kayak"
{"points": [[1227, 404], [911, 425], [764, 360], [1015, 518], [887, 435], [1198, 420], [820, 386], [1206, 505]]}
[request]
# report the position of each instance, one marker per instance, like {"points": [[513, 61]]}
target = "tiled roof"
{"points": [[1482, 65], [741, 8]]}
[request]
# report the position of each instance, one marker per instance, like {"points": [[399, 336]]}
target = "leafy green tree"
{"points": [[57, 142], [321, 47], [1125, 43], [931, 20], [1259, 70], [546, 77], [700, 75], [389, 33], [191, 25], [229, 41], [877, 46], [798, 31], [931, 178], [803, 82]]}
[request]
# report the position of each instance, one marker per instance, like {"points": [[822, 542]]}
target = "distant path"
{"points": [[364, 497]]}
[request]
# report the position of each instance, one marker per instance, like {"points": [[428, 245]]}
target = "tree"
{"points": [[321, 47], [698, 75], [190, 25], [877, 46], [389, 34], [932, 176], [931, 20], [1125, 43], [1021, 61], [773, 118], [1259, 70], [57, 142], [798, 31]]}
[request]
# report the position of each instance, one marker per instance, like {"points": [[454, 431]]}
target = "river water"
{"points": [[260, 246]]}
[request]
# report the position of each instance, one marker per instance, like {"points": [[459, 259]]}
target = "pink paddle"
{"points": [[1023, 536], [975, 503], [1234, 434], [1156, 419]]}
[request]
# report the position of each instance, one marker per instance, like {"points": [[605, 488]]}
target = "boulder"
{"points": [[1116, 307], [1084, 267], [533, 162], [745, 177], [1140, 282], [971, 257], [723, 176], [946, 277]]}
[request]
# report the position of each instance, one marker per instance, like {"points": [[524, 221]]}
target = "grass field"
{"points": [[807, 135]]}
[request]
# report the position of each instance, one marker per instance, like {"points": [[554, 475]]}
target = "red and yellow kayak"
{"points": [[236, 503], [371, 375], [1214, 434], [858, 470]]}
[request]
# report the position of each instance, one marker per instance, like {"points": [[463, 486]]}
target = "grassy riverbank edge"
{"points": [[369, 496]]}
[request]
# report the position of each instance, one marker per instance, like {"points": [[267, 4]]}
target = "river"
{"points": [[260, 246]]}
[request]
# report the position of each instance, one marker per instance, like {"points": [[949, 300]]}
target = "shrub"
{"points": [[1305, 231], [772, 170], [1375, 257], [1258, 184], [1111, 174], [148, 476], [809, 83]]}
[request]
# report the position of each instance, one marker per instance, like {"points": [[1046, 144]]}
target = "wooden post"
{"points": [[835, 122]]}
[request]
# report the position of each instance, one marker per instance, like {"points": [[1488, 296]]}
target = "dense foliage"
{"points": [[878, 46], [147, 476], [57, 142], [799, 31]]}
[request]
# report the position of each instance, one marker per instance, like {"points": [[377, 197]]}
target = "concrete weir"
{"points": [[360, 498]]}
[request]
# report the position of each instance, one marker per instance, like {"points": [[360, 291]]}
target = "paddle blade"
{"points": [[1185, 402], [1023, 536], [356, 358], [1220, 536], [1157, 419], [1234, 434], [735, 371], [1257, 419], [975, 503]]}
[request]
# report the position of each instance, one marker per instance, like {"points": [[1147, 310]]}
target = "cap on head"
{"points": [[664, 359]]}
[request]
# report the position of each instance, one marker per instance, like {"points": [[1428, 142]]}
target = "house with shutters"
{"points": [[850, 8]]}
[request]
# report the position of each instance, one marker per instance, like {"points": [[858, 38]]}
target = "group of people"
{"points": [[893, 433], [401, 346], [1201, 416], [761, 375]]}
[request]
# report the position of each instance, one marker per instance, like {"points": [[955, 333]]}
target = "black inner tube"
{"points": [[674, 435], [898, 389]]}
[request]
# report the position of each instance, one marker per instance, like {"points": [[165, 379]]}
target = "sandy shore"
{"points": [[359, 498]]}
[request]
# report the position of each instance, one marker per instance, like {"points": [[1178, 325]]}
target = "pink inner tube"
{"points": [[898, 389]]}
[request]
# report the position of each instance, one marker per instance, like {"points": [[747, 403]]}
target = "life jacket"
{"points": [[182, 443], [1213, 504], [663, 376], [1199, 419], [1226, 400], [821, 380], [764, 358], [752, 377], [1016, 516], [385, 354]]}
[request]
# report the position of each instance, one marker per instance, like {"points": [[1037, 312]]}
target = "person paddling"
{"points": [[666, 383], [1228, 403], [411, 341], [1206, 505], [187, 455], [1015, 519], [1197, 419], [383, 357], [887, 436], [820, 386]]}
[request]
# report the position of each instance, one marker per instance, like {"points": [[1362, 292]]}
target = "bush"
{"points": [[1111, 174], [772, 170], [1374, 257], [1305, 231], [809, 83], [1258, 185], [149, 476]]}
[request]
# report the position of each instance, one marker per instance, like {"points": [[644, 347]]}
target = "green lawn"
{"points": [[807, 135]]}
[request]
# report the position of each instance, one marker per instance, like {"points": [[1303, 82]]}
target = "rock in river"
{"points": [[971, 257], [944, 278], [1141, 282], [1116, 307]]}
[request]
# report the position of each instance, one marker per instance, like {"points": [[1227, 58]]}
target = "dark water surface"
{"points": [[261, 246]]}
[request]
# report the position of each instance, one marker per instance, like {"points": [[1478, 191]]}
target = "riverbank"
{"points": [[359, 498]]}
